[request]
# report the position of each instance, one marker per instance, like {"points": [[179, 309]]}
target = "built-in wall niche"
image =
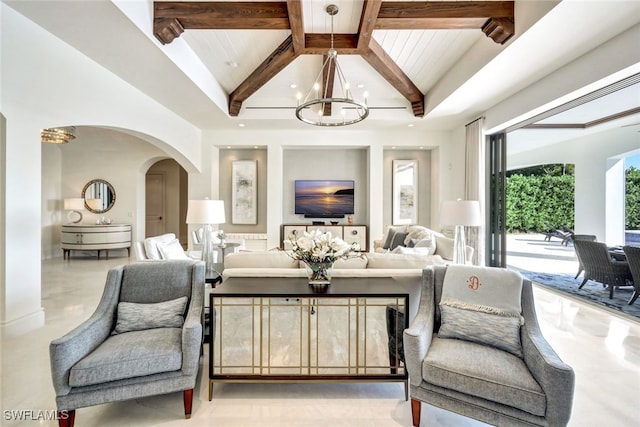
{"points": [[420, 161], [348, 164]]}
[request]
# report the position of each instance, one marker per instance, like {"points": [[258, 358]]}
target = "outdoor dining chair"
{"points": [[599, 267], [633, 258]]}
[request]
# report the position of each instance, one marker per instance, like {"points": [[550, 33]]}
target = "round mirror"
{"points": [[99, 196]]}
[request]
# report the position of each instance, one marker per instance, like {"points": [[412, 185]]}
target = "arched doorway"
{"points": [[166, 198]]}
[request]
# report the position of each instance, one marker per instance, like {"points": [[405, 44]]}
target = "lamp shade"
{"points": [[460, 212], [205, 212], [74, 204]]}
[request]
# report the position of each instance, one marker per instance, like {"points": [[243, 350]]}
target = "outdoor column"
{"points": [[615, 202]]}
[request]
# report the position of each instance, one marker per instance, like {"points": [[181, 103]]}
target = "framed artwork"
{"points": [[405, 192], [244, 189]]}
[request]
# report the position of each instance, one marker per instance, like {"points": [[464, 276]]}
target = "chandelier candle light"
{"points": [[60, 135], [319, 251], [318, 107]]}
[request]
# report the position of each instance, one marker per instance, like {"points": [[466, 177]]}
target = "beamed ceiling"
{"points": [[298, 35]]}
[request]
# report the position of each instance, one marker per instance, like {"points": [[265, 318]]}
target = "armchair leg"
{"points": [[66, 418], [634, 297], [393, 364], [611, 291], [188, 402], [415, 412], [583, 282]]}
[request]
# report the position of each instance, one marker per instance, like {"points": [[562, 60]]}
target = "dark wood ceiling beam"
{"points": [[294, 10], [368, 18], [219, 16], [387, 68], [319, 44], [328, 77], [279, 58], [496, 16]]}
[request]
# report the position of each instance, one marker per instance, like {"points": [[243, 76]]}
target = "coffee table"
{"points": [[270, 329]]}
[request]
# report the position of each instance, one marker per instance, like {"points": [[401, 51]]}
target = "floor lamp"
{"points": [[206, 213], [460, 213]]}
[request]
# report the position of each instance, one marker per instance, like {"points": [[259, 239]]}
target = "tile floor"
{"points": [[603, 349]]}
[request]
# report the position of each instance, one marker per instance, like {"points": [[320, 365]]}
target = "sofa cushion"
{"points": [[387, 238], [136, 317], [129, 355], [484, 372], [390, 260], [172, 250], [398, 240], [264, 259], [151, 244], [351, 263]]}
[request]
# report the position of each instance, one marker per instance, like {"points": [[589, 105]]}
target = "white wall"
{"points": [[45, 83]]}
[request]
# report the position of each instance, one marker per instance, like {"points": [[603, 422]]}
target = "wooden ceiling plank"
{"points": [[387, 68], [495, 18], [319, 44], [224, 15], [276, 62], [328, 77], [368, 18], [294, 10]]}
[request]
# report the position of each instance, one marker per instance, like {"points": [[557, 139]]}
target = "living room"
{"points": [[122, 131]]}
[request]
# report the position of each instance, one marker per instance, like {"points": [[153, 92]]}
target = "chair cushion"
{"points": [[265, 259], [482, 305], [484, 372], [172, 250], [136, 317], [134, 354]]}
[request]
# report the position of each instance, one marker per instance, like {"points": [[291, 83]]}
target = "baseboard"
{"points": [[22, 325]]}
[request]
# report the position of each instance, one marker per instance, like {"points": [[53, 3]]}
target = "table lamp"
{"points": [[74, 206], [460, 213], [207, 213]]}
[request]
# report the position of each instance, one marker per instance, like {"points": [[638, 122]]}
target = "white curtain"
{"points": [[474, 188]]}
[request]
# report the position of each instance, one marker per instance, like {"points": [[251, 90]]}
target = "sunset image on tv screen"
{"points": [[324, 197]]}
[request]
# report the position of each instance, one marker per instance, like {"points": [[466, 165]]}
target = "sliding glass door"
{"points": [[497, 237]]}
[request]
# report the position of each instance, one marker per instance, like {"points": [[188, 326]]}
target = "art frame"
{"points": [[405, 192], [244, 192]]}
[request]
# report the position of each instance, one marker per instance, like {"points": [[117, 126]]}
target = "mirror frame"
{"points": [[109, 187]]}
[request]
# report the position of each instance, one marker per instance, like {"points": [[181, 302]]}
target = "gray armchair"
{"points": [[143, 339], [481, 381]]}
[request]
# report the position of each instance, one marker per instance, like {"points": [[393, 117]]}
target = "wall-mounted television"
{"points": [[324, 199]]}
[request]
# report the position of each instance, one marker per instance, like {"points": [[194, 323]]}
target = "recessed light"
{"points": [[360, 86], [255, 147], [241, 125], [293, 85], [232, 64], [411, 125], [228, 147], [393, 148], [422, 148]]}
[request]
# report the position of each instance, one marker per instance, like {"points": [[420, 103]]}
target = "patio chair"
{"points": [[589, 237], [599, 267], [633, 258]]}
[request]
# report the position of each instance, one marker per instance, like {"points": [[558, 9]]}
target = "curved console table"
{"points": [[95, 238]]}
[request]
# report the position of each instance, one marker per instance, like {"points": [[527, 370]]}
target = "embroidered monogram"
{"points": [[474, 283]]}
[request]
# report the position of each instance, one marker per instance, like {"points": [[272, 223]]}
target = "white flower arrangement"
{"points": [[318, 247]]}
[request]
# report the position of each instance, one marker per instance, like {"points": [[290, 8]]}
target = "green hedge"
{"points": [[633, 199], [535, 201]]}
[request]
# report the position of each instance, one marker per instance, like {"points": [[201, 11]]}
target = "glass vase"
{"points": [[319, 273]]}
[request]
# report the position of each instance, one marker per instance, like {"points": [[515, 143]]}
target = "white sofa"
{"points": [[412, 239], [405, 269]]}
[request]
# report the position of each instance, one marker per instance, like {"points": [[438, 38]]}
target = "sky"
{"points": [[632, 161]]}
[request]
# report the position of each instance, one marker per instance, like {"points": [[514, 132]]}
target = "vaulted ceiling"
{"points": [[305, 34]]}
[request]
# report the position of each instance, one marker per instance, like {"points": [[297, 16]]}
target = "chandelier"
{"points": [[319, 106], [60, 135]]}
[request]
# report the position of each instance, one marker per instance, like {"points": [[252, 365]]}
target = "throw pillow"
{"points": [[398, 240], [482, 304], [172, 250], [428, 243], [387, 238], [137, 317], [151, 244]]}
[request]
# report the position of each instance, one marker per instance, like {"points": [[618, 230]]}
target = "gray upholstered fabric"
{"points": [[138, 317], [146, 282], [483, 371], [487, 402], [129, 355], [483, 328]]}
